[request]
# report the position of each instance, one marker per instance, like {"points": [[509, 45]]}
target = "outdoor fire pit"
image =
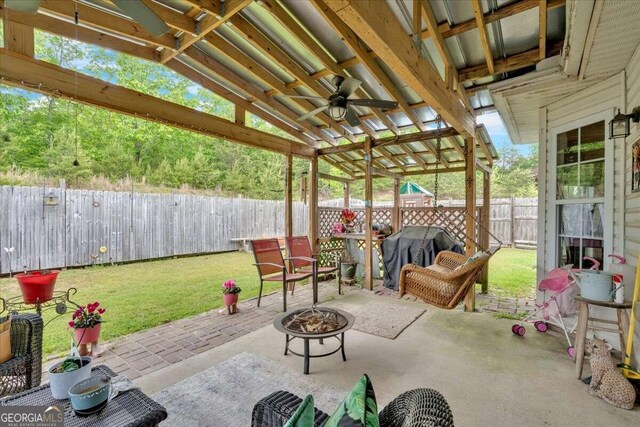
{"points": [[314, 323]]}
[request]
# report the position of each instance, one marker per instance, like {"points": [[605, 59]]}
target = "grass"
{"points": [[142, 295], [512, 273]]}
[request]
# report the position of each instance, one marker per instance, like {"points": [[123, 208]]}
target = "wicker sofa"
{"points": [[24, 370], [423, 407]]}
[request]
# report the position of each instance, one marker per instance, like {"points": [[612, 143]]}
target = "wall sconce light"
{"points": [[620, 126]]}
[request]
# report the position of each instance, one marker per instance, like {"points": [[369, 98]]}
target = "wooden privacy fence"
{"points": [[69, 228]]}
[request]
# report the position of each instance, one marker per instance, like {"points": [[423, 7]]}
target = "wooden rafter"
{"points": [[40, 76], [482, 31], [176, 20], [378, 27], [224, 10], [542, 42]]}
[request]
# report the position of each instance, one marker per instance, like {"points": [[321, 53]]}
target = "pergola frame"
{"points": [[372, 35]]}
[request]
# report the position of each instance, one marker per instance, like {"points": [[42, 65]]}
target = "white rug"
{"points": [[384, 319], [224, 395]]}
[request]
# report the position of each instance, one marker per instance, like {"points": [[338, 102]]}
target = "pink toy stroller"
{"points": [[561, 303]]}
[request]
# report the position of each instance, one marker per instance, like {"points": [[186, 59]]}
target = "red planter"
{"points": [[230, 299], [87, 335], [37, 286]]}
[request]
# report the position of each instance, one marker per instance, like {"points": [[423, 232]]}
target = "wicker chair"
{"points": [[423, 407], [443, 284], [24, 370]]}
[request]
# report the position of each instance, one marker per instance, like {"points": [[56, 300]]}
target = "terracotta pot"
{"points": [[37, 286], [88, 335], [230, 299]]}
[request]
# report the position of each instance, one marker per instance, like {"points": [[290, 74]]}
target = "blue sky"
{"points": [[498, 133]]}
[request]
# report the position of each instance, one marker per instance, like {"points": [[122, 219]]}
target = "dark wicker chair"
{"points": [[24, 370], [422, 407]]}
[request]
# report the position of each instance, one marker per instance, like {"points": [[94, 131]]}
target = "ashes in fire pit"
{"points": [[314, 320]]}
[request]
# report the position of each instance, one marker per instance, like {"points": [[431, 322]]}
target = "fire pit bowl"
{"points": [[314, 323]]}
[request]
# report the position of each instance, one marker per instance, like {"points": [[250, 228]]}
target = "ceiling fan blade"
{"points": [[312, 113], [316, 98], [348, 86], [352, 118], [27, 6], [374, 103], [140, 12]]}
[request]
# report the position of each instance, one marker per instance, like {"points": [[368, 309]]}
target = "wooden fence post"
{"points": [[513, 221]]}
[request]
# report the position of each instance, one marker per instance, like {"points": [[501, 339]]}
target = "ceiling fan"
{"points": [[338, 103], [136, 10]]}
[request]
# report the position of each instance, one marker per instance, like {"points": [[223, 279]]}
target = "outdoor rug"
{"points": [[224, 395], [384, 319]]}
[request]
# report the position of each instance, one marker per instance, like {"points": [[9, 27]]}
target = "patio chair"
{"points": [[446, 282], [24, 370], [422, 407], [272, 268], [299, 249]]}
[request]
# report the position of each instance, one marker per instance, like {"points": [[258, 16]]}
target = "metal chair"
{"points": [[299, 247], [24, 370], [272, 268]]}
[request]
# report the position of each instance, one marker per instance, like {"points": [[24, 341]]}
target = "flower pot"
{"points": [[62, 382], [348, 270], [230, 299], [87, 335], [37, 286]]}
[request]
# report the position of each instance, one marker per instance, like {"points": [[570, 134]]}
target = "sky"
{"points": [[498, 132]]}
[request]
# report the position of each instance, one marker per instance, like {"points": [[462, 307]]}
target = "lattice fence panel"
{"points": [[453, 219], [326, 218]]}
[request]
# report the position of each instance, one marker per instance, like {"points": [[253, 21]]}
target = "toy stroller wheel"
{"points": [[541, 326], [571, 351], [521, 330], [514, 329]]}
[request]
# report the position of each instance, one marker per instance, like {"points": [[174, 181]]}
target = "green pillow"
{"points": [[359, 408], [303, 417]]}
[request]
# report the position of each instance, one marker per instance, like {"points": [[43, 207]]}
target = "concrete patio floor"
{"points": [[489, 376]]}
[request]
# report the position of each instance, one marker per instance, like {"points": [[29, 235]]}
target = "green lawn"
{"points": [[142, 295], [512, 272]]}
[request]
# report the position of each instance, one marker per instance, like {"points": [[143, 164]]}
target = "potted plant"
{"points": [[348, 217], [230, 295], [37, 286], [87, 323], [63, 375], [348, 266]]}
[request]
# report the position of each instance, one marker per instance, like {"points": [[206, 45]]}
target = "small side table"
{"points": [[622, 323]]}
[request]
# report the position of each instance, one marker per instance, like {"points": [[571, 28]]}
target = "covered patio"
{"points": [[416, 75]]}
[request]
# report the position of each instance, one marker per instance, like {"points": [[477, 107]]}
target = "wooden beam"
{"points": [[173, 19], [384, 172], [346, 202], [368, 218], [485, 221], [504, 65], [105, 21], [313, 212], [39, 76], [482, 31], [378, 27], [225, 10], [395, 213], [288, 196], [334, 178], [240, 114], [542, 27], [470, 207], [18, 37]]}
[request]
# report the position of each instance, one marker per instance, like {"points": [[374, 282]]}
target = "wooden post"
{"points": [[486, 223], [303, 189], [470, 178], [288, 201], [18, 37], [240, 115], [513, 222], [347, 196], [313, 215], [395, 213], [368, 216]]}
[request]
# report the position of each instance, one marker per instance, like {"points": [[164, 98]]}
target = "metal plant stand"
{"points": [[60, 302], [290, 335]]}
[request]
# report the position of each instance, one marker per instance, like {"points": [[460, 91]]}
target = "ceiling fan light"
{"points": [[337, 112]]}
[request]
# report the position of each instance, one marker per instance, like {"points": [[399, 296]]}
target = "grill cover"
{"points": [[401, 247]]}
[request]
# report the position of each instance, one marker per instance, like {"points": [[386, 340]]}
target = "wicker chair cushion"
{"points": [[5, 340], [359, 408], [303, 417]]}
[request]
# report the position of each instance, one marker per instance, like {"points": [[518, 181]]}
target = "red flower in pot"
{"points": [[87, 324], [230, 295]]}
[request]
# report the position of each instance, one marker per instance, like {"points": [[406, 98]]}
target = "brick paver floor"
{"points": [[147, 351]]}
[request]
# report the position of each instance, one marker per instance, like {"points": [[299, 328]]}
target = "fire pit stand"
{"points": [[284, 321]]}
